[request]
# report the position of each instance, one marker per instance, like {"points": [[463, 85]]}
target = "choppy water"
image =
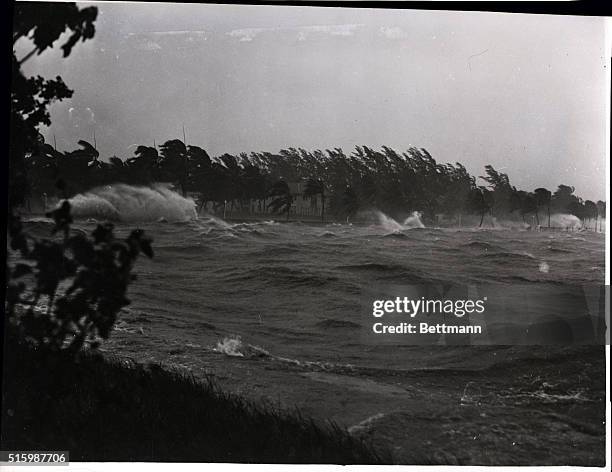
{"points": [[272, 310]]}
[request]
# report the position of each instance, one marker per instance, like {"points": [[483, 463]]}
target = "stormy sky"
{"points": [[525, 93]]}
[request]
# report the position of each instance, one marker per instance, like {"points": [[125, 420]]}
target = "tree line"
{"points": [[342, 184]]}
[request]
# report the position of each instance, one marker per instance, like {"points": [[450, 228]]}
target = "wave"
{"points": [[340, 324], [234, 347], [391, 225], [396, 235], [372, 267], [557, 249], [127, 203], [507, 255], [211, 226], [414, 221], [482, 246], [281, 276], [366, 425], [562, 220]]}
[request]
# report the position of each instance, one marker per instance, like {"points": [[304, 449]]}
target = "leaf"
{"points": [[82, 249], [103, 233], [20, 270]]}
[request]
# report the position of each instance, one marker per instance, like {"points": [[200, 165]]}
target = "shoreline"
{"points": [[106, 408]]}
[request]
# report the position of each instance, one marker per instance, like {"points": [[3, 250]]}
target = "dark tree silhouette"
{"points": [[590, 211], [281, 198], [499, 191], [543, 198], [313, 188], [350, 202], [479, 203], [143, 167], [601, 212], [173, 163], [43, 23], [563, 198], [60, 294]]}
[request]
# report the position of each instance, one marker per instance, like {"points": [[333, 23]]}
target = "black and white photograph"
{"points": [[291, 234]]}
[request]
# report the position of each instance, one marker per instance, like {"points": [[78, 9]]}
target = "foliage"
{"points": [[61, 293], [316, 187], [281, 198], [392, 182], [42, 24], [64, 293]]}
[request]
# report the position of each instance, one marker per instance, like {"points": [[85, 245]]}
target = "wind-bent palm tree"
{"points": [[543, 197], [601, 212], [143, 168], [313, 188], [350, 202], [281, 198], [79, 168], [590, 211], [479, 201], [174, 163]]}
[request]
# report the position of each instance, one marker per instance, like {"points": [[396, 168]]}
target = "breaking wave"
{"points": [[560, 220], [234, 347], [391, 225], [126, 203]]}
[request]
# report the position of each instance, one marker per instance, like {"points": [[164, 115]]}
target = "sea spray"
{"points": [[127, 203], [391, 225], [414, 220], [233, 346], [230, 346], [562, 220]]}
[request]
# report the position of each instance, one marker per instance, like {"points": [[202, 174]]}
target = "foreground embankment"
{"points": [[102, 409]]}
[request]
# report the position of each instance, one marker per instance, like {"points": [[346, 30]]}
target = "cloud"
{"points": [[393, 32], [150, 40], [247, 34], [148, 46], [303, 32], [189, 33]]}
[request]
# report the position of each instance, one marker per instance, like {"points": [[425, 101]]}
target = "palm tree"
{"points": [[601, 212], [590, 211], [232, 179], [543, 197], [75, 168], [479, 201], [173, 163], [313, 188], [350, 202], [529, 204], [281, 198], [143, 167]]}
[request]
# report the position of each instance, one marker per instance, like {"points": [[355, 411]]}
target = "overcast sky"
{"points": [[525, 93]]}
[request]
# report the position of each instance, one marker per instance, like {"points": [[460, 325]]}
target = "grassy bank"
{"points": [[104, 409]]}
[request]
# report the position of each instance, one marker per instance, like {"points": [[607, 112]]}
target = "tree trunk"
{"points": [[322, 208], [548, 209], [481, 219], [202, 204]]}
